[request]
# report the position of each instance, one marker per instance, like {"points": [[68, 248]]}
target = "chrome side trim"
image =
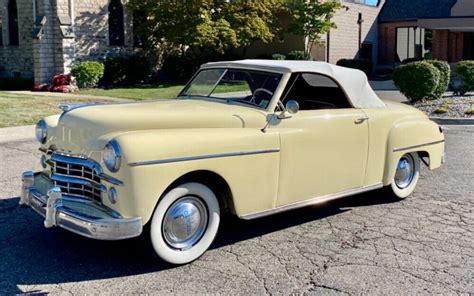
{"points": [[313, 201], [417, 146], [198, 157]]}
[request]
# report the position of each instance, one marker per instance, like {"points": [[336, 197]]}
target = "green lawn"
{"points": [[136, 93], [25, 109], [16, 109]]}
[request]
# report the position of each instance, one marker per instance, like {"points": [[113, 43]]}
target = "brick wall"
{"points": [[17, 58], [448, 46], [388, 39]]}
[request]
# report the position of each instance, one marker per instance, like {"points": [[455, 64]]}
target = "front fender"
{"points": [[247, 159], [413, 135]]}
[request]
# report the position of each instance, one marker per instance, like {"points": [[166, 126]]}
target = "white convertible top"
{"points": [[354, 82]]}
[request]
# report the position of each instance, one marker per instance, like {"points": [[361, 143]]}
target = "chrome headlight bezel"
{"points": [[112, 156], [41, 131]]}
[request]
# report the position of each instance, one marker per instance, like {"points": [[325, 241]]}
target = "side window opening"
{"points": [[315, 92]]}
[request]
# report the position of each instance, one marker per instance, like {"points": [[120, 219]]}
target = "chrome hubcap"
{"points": [[185, 222], [405, 171]]}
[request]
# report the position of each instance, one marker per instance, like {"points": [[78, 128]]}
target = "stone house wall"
{"points": [[17, 60], [92, 34], [55, 52]]}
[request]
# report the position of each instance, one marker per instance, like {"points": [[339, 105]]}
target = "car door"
{"points": [[324, 146]]}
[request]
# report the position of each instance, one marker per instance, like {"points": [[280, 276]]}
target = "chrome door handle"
{"points": [[361, 119]]}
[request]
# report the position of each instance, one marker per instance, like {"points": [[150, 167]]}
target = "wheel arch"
{"points": [[214, 181]]}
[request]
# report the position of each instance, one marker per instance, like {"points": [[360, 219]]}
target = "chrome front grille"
{"points": [[76, 176]]}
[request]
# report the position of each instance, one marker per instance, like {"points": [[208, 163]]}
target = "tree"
{"points": [[217, 24], [312, 19]]}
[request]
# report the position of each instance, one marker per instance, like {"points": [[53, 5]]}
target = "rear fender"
{"points": [[414, 135]]}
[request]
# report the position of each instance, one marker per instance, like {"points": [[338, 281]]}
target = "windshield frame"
{"points": [[276, 93]]}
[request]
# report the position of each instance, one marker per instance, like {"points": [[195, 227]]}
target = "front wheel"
{"points": [[185, 223], [406, 176]]}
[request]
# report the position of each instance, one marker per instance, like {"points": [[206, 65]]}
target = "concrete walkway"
{"points": [[383, 85], [17, 133]]}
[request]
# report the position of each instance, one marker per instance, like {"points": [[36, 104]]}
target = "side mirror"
{"points": [[292, 107]]}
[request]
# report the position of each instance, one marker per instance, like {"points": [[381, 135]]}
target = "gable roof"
{"points": [[401, 10]]}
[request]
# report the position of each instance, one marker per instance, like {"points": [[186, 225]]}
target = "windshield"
{"points": [[250, 87]]}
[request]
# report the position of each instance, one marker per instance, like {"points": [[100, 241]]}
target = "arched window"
{"points": [[116, 26], [12, 23]]}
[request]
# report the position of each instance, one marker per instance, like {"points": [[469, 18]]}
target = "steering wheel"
{"points": [[252, 99]]}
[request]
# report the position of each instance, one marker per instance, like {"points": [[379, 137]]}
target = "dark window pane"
{"points": [[12, 23], [1, 33], [116, 25]]}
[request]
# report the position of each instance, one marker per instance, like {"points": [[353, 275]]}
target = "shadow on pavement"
{"points": [[33, 255]]}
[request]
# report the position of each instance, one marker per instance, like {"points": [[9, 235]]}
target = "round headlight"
{"points": [[41, 131], [112, 156]]}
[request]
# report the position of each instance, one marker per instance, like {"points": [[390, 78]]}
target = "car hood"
{"points": [[90, 126]]}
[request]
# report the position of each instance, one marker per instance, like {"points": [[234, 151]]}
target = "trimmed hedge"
{"points": [[444, 79], [359, 64], [417, 81], [88, 74], [297, 55], [125, 71], [465, 69], [278, 56]]}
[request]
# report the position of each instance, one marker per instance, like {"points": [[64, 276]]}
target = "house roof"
{"points": [[401, 10], [354, 82]]}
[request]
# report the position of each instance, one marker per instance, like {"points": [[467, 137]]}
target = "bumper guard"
{"points": [[84, 217]]}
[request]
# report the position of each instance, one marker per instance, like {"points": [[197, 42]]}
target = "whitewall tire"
{"points": [[185, 223], [406, 176]]}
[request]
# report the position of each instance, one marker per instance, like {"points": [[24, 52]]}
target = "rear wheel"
{"points": [[406, 176], [185, 223]]}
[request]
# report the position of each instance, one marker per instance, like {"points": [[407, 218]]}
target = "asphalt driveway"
{"points": [[360, 244]]}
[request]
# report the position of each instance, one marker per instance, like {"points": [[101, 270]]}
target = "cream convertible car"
{"points": [[251, 138]]}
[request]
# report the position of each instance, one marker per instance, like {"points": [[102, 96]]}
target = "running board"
{"points": [[310, 202]]}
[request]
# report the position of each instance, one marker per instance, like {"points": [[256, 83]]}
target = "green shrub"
{"points": [[444, 79], [88, 74], [278, 56], [417, 81], [115, 71], [126, 71], [441, 110], [297, 55], [16, 83], [465, 70], [179, 68], [360, 64]]}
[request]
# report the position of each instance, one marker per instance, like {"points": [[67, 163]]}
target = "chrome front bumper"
{"points": [[84, 217]]}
